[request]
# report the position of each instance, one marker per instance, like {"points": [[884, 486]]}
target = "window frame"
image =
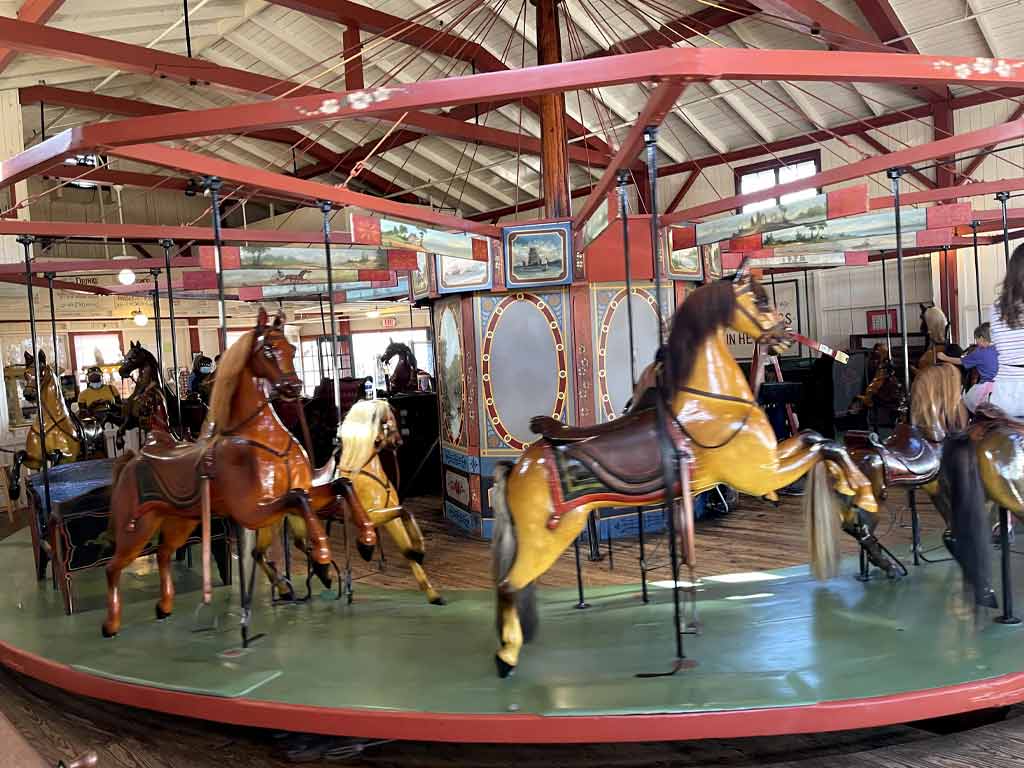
{"points": [[774, 164]]}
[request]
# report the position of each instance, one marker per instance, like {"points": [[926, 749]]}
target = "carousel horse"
{"points": [[405, 377], [255, 470], [885, 387], [704, 403], [66, 436], [935, 327], [370, 437], [148, 407]]}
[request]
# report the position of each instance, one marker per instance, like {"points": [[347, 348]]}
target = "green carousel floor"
{"points": [[783, 651]]}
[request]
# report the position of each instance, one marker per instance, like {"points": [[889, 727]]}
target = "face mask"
{"points": [[95, 385], [204, 369]]}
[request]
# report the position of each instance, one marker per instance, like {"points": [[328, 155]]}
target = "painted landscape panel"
{"points": [[866, 225], [596, 224], [400, 234], [454, 275], [806, 211], [255, 257]]}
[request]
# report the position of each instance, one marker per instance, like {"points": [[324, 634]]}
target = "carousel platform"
{"points": [[780, 654]]}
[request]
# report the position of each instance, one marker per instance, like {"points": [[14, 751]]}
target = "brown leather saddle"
{"points": [[907, 457], [623, 455], [174, 470]]}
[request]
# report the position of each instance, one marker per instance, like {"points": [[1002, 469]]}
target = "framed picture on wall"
{"points": [[683, 263], [459, 275], [537, 254], [881, 320], [712, 258]]}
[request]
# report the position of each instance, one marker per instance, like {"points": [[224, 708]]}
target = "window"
{"points": [[754, 178], [367, 347], [103, 349]]}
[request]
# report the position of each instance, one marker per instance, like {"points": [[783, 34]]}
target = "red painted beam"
{"points": [[352, 50], [298, 189], [947, 193], [942, 126], [151, 233], [903, 157], [95, 102], [681, 28], [976, 162], [108, 177], [834, 28], [60, 266], [33, 12], [440, 125], [881, 149], [659, 104]]}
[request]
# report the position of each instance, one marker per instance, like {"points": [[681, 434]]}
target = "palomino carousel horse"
{"points": [[542, 502], [149, 407], [935, 326], [369, 439], [405, 377], [66, 437], [255, 469]]}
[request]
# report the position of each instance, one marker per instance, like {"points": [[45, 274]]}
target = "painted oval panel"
{"points": [[523, 367], [449, 353], [618, 383]]}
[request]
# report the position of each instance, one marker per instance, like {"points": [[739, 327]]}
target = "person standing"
{"points": [[1007, 334]]}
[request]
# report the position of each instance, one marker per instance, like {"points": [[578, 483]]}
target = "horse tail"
{"points": [[961, 500], [822, 514], [504, 547]]}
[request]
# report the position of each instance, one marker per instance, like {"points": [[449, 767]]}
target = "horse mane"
{"points": [[359, 432], [229, 372], [936, 406], [935, 321], [398, 348], [702, 313]]}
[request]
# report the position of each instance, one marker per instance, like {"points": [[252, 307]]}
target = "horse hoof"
{"points": [[438, 601], [415, 555], [161, 614], [107, 633], [504, 668], [365, 551], [987, 598], [324, 574]]}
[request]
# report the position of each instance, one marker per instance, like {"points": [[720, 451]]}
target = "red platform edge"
{"points": [[515, 728]]}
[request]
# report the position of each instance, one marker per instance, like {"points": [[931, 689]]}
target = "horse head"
{"points": [[136, 359], [754, 314], [29, 385], [395, 348], [273, 357]]}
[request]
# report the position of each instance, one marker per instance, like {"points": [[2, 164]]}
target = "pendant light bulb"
{"points": [[126, 277]]}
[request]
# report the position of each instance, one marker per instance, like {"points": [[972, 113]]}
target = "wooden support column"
{"points": [[12, 141], [554, 150], [352, 47]]}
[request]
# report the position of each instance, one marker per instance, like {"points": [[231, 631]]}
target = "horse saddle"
{"points": [[175, 469], [907, 457], [988, 417], [624, 455]]}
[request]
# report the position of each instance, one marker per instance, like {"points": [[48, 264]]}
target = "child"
{"points": [[985, 358]]}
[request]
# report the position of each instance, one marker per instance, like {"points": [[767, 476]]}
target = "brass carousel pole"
{"points": [[166, 245], [156, 326]]}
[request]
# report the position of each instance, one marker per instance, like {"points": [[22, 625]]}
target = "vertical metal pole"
{"points": [[624, 210], [325, 208], [156, 322], [166, 244], [53, 331], [188, 34], [213, 184], [977, 269], [1002, 197], [323, 333], [26, 242], [651, 144], [1007, 616], [894, 177], [885, 305], [579, 576]]}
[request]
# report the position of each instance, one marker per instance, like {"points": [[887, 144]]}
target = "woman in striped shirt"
{"points": [[1008, 338]]}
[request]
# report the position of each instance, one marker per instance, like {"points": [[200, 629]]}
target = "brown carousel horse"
{"points": [[66, 437], [543, 500], [148, 408], [257, 472], [405, 377]]}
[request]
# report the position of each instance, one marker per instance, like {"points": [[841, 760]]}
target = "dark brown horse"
{"points": [[149, 407], [255, 470]]}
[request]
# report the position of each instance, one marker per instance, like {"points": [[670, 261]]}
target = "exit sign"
{"points": [[389, 322]]}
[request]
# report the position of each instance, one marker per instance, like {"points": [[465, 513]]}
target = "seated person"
{"points": [[98, 396], [985, 358]]}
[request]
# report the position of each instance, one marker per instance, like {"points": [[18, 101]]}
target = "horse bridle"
{"points": [[769, 333], [267, 350]]}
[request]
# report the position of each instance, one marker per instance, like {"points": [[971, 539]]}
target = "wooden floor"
{"points": [[756, 536]]}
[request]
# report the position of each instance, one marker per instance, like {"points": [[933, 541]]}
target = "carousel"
{"points": [[587, 391]]}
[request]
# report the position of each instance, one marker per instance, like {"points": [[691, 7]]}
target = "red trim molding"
{"points": [[528, 728]]}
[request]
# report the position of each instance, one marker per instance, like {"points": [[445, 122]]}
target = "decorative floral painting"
{"points": [[537, 254]]}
